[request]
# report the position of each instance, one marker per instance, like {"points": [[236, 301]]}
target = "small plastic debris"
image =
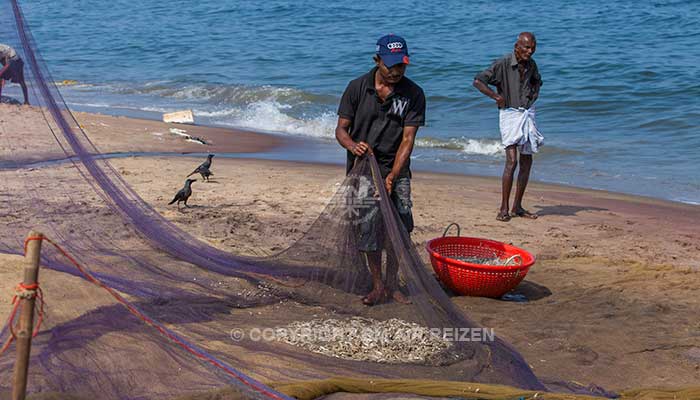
{"points": [[179, 117]]}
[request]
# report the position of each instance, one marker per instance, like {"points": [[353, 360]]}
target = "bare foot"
{"points": [[523, 213], [374, 297], [503, 216], [398, 297]]}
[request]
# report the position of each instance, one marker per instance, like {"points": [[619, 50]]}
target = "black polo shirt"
{"points": [[378, 123]]}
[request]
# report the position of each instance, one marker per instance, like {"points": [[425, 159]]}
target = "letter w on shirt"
{"points": [[399, 106]]}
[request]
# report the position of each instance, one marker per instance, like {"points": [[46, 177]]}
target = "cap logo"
{"points": [[395, 46]]}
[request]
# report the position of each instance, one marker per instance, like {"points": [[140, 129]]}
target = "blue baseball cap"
{"points": [[392, 50]]}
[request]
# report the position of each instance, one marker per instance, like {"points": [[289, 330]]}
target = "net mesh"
{"points": [[159, 306]]}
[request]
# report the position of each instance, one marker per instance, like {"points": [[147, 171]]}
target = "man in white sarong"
{"points": [[517, 81]]}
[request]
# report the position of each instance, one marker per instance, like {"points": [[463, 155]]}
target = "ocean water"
{"points": [[620, 105]]}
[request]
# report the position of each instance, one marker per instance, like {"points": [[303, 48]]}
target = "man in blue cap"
{"points": [[380, 112]]}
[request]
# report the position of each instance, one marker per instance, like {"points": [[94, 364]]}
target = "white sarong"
{"points": [[518, 127]]}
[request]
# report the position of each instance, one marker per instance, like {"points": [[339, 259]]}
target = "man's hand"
{"points": [[483, 88], [389, 183], [500, 101], [359, 149]]}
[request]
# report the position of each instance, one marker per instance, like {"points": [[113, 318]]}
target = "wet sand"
{"points": [[27, 139]]}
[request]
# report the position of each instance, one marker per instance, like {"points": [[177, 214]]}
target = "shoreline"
{"points": [[109, 134], [293, 142], [262, 146], [423, 164], [599, 193], [268, 146]]}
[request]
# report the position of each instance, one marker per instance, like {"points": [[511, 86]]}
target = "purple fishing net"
{"points": [[171, 335]]}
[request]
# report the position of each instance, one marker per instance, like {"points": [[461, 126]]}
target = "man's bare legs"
{"points": [[523, 178], [374, 262], [507, 182], [383, 290], [392, 280], [507, 185]]}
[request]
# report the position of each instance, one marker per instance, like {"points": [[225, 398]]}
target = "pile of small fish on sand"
{"points": [[363, 339]]}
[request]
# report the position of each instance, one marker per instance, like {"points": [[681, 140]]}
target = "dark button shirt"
{"points": [[504, 75], [381, 124]]}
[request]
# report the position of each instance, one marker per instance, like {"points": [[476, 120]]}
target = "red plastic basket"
{"points": [[477, 279]]}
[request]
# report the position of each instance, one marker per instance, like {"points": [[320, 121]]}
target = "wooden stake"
{"points": [[26, 321]]}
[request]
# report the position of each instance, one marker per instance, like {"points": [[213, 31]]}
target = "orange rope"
{"points": [[25, 292], [12, 333]]}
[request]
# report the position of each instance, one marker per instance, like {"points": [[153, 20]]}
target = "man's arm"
{"points": [[402, 155], [346, 114], [536, 82], [342, 135], [536, 91], [485, 89], [491, 76]]}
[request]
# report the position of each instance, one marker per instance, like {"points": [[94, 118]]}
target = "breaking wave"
{"points": [[486, 147]]}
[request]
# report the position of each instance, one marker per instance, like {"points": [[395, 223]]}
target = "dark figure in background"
{"points": [[12, 69], [203, 169], [380, 112], [183, 194], [518, 82]]}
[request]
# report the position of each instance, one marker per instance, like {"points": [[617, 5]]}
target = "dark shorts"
{"points": [[371, 229], [15, 73]]}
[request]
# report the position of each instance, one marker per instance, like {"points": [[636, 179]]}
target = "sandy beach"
{"points": [[612, 298], [613, 303]]}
